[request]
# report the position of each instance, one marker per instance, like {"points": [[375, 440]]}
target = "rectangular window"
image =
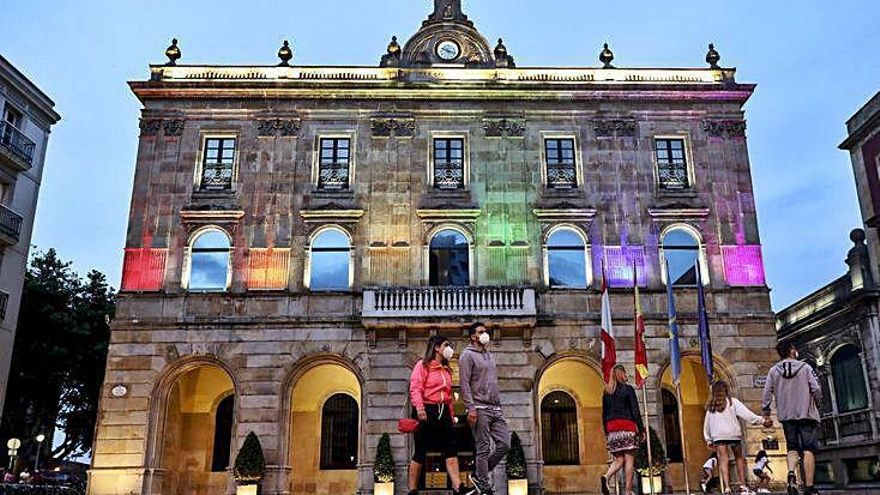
{"points": [[12, 116], [560, 165], [449, 164], [672, 168], [217, 164], [334, 165]]}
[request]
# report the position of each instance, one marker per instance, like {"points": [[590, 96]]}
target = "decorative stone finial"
{"points": [[606, 57], [712, 57], [857, 236], [392, 58], [173, 53], [285, 54], [502, 59]]}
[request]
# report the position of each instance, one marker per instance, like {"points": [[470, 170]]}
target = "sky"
{"points": [[811, 60]]}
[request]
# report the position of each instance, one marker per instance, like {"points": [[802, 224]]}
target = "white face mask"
{"points": [[485, 338], [447, 352]]}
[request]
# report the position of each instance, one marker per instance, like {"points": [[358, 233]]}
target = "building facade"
{"points": [[28, 114], [297, 233], [837, 329]]}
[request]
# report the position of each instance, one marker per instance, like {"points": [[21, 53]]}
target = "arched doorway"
{"points": [[325, 431], [197, 437], [569, 408], [694, 395]]}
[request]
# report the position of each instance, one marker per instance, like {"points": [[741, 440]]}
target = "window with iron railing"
{"points": [[334, 167], [218, 163], [449, 164], [560, 163], [672, 166]]}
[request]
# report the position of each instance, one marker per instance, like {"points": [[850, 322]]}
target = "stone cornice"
{"points": [[566, 214], [444, 214], [323, 216]]}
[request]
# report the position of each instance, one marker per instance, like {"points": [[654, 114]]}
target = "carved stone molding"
{"points": [[504, 127], [725, 128], [150, 127], [384, 127], [615, 128], [172, 127], [278, 127]]}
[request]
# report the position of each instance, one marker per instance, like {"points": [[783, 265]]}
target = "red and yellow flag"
{"points": [[641, 358]]}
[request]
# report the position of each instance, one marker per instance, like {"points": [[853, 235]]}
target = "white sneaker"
{"points": [[763, 490], [744, 490]]}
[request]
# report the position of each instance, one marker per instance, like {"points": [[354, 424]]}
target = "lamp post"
{"points": [[40, 439], [13, 444]]}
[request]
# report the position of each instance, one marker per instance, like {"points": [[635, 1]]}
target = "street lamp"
{"points": [[13, 444], [40, 439]]}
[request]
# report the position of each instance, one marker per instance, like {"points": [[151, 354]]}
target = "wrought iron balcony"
{"points": [[10, 226], [847, 428], [425, 302], [16, 150], [4, 301]]}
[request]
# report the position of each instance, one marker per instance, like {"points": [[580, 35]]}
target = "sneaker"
{"points": [[763, 490], [605, 489], [792, 484], [744, 490], [703, 485], [811, 490], [463, 490], [480, 487]]}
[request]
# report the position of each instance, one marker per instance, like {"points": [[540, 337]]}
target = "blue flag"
{"points": [[674, 350], [703, 328]]}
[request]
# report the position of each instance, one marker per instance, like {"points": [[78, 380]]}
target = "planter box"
{"points": [[517, 487], [647, 481], [247, 489], [383, 488]]}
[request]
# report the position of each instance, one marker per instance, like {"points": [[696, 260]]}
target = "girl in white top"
{"points": [[762, 465], [722, 430]]}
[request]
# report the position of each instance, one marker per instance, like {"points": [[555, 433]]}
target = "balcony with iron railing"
{"points": [[16, 150], [848, 428], [10, 226], [383, 304]]}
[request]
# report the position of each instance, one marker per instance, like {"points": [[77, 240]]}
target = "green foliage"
{"points": [[383, 469], [658, 456], [250, 465], [59, 356], [516, 459]]}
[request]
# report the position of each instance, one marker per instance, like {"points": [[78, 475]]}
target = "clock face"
{"points": [[448, 50]]}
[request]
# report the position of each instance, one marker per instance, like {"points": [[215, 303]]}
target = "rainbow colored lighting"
{"points": [[743, 265], [143, 269], [619, 262], [268, 269]]}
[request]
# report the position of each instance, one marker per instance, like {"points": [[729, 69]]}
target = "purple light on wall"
{"points": [[743, 265], [619, 265]]}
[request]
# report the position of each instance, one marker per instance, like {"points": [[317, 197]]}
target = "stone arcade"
{"points": [[296, 233]]}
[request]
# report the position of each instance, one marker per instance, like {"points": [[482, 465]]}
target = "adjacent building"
{"points": [[26, 119], [297, 233], [837, 329]]}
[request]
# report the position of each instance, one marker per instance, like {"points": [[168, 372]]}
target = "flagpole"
{"points": [[644, 384], [684, 456]]}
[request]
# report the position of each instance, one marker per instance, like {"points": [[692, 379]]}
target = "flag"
{"points": [[674, 350], [609, 349], [641, 359], [703, 328]]}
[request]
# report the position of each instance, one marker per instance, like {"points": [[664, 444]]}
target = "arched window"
{"points": [[449, 259], [209, 261], [559, 430], [681, 251], [330, 261], [566, 259], [671, 426], [222, 434], [849, 380], [339, 432]]}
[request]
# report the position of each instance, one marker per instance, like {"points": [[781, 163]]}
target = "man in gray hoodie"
{"points": [[797, 392], [479, 390]]}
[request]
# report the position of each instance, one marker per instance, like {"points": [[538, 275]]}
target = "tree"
{"points": [[516, 459], [58, 357], [383, 469], [250, 465], [658, 456]]}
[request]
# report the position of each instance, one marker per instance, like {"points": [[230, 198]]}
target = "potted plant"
{"points": [[383, 468], [651, 475], [250, 466], [517, 483]]}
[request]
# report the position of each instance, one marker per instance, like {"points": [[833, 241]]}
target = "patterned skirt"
{"points": [[619, 442]]}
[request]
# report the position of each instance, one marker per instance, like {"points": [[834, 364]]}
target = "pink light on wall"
{"points": [[619, 265], [143, 269], [268, 268], [743, 265]]}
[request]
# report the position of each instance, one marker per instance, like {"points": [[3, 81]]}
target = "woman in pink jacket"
{"points": [[430, 392]]}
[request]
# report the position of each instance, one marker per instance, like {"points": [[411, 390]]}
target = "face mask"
{"points": [[485, 339], [448, 352]]}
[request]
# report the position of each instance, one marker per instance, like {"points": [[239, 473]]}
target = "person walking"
{"points": [[430, 393], [722, 431], [623, 427], [796, 388], [479, 391], [762, 465]]}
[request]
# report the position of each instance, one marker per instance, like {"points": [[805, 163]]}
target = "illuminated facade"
{"points": [[26, 117], [837, 329], [297, 233]]}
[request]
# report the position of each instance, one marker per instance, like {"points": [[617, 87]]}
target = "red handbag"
{"points": [[407, 425]]}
